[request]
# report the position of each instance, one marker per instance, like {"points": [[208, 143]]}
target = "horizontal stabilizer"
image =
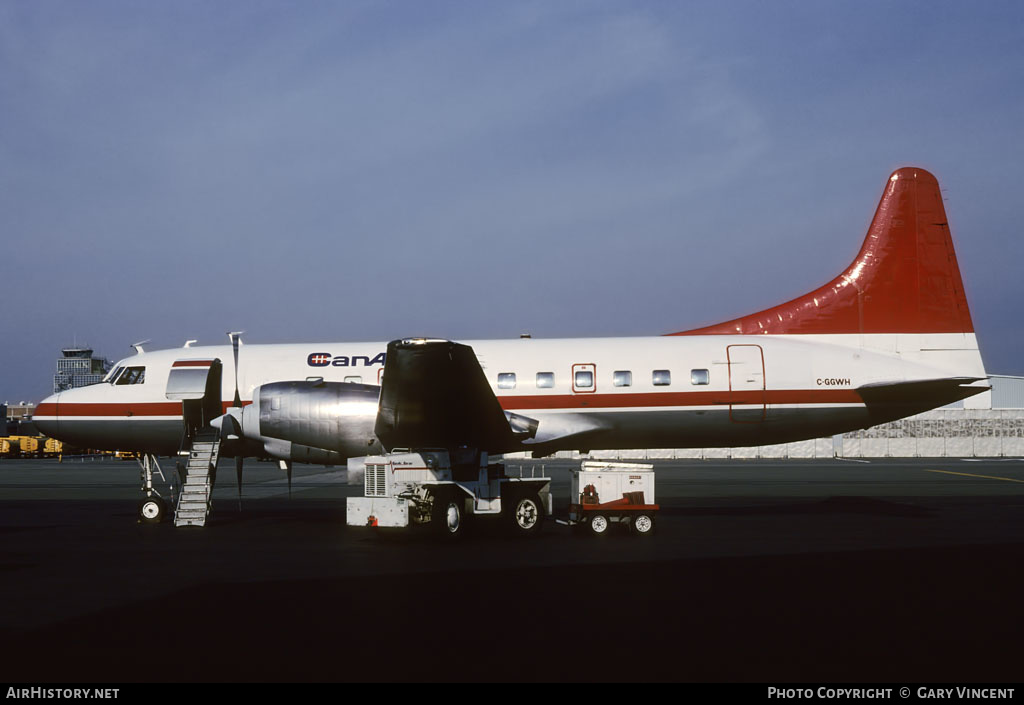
{"points": [[888, 401]]}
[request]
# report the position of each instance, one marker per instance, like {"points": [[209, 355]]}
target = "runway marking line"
{"points": [[968, 474]]}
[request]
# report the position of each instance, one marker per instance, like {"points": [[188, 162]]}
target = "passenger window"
{"points": [[545, 380], [584, 379], [661, 378], [354, 379], [699, 377], [506, 380], [622, 378]]}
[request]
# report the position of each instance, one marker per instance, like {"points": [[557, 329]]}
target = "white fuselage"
{"points": [[600, 393]]}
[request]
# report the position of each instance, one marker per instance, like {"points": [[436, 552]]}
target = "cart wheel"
{"points": [[152, 510], [643, 524], [599, 525], [447, 517], [526, 514]]}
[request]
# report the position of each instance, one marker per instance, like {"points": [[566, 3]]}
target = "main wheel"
{"points": [[447, 516], [152, 510], [643, 524], [599, 525], [526, 514]]}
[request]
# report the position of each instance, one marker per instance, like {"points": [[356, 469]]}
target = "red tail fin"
{"points": [[904, 280]]}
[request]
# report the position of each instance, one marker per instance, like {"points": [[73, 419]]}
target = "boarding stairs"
{"points": [[194, 502]]}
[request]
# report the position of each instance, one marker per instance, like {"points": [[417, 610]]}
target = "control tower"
{"points": [[78, 368]]}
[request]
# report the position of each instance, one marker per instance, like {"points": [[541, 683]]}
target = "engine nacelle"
{"points": [[313, 421]]}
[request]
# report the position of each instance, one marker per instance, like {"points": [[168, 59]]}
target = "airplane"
{"points": [[889, 337]]}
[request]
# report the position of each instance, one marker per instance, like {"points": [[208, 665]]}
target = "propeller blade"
{"points": [[236, 340], [286, 465], [238, 472]]}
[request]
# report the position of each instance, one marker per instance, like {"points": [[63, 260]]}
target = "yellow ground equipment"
{"points": [[29, 445], [9, 448]]}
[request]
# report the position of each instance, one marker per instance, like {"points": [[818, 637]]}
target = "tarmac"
{"points": [[893, 570]]}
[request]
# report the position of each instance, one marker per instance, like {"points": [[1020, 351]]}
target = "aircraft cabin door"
{"points": [[746, 383], [197, 383]]}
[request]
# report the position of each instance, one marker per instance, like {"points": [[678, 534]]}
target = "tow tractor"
{"points": [[430, 487], [426, 487]]}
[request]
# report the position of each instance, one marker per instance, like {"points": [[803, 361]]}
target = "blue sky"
{"points": [[365, 171]]}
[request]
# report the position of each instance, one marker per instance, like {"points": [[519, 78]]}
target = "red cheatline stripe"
{"points": [[526, 402], [192, 363], [162, 408], [122, 409], [656, 399]]}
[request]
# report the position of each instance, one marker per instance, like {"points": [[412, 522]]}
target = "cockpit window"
{"points": [[113, 375], [132, 375]]}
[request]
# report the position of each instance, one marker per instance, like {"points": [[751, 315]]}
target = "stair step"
{"points": [[193, 498], [193, 503]]}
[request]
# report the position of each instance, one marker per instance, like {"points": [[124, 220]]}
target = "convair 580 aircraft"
{"points": [[889, 337]]}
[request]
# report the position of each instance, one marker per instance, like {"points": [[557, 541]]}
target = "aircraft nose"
{"points": [[47, 417]]}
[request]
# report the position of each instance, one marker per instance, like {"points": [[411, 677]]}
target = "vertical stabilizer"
{"points": [[905, 278]]}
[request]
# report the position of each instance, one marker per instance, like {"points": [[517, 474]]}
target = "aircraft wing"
{"points": [[435, 395]]}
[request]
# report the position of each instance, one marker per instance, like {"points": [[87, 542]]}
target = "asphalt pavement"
{"points": [[897, 570]]}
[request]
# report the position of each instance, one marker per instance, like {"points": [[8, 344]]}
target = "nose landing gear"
{"points": [[152, 507]]}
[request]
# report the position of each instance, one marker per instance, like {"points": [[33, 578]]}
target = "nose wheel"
{"points": [[152, 510]]}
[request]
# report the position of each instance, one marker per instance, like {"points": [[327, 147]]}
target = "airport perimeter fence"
{"points": [[942, 433]]}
